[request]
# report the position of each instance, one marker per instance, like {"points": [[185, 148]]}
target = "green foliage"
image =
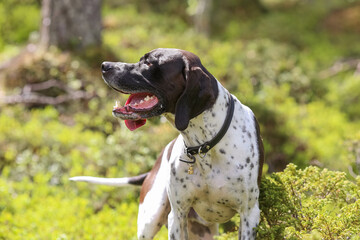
{"points": [[307, 204], [345, 95], [311, 202], [38, 142], [35, 210], [51, 64], [17, 19]]}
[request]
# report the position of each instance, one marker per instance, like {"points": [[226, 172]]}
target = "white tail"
{"points": [[118, 182]]}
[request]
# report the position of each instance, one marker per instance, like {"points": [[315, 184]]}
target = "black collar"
{"points": [[205, 147]]}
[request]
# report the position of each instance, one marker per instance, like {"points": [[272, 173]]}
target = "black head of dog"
{"points": [[163, 81]]}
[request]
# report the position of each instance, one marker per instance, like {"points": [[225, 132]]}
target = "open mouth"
{"points": [[136, 108]]}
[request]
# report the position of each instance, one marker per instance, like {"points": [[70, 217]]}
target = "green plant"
{"points": [[35, 210], [17, 19], [312, 203]]}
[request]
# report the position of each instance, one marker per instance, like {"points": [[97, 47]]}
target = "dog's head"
{"points": [[163, 81]]}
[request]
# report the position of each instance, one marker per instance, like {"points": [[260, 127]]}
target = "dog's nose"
{"points": [[106, 66]]}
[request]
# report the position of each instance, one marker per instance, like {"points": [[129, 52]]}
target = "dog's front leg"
{"points": [[177, 223], [249, 220]]}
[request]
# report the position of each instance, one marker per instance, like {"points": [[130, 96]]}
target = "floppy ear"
{"points": [[197, 96]]}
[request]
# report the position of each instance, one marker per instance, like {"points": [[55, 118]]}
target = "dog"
{"points": [[212, 170]]}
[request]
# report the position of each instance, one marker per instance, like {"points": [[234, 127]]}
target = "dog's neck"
{"points": [[206, 125]]}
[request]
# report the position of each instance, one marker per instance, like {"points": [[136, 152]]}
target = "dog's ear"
{"points": [[199, 93]]}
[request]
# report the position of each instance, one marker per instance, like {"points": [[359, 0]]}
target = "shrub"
{"points": [[312, 203], [347, 95], [17, 19], [40, 141], [35, 210]]}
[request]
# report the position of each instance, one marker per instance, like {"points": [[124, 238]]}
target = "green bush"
{"points": [[345, 94], [308, 204], [35, 210], [38, 141], [17, 19]]}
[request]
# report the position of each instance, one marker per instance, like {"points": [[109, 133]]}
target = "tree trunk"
{"points": [[215, 13], [71, 24], [202, 16]]}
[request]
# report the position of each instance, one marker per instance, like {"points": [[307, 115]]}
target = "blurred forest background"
{"points": [[296, 63]]}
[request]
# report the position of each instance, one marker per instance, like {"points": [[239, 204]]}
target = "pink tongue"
{"points": [[137, 101], [134, 124]]}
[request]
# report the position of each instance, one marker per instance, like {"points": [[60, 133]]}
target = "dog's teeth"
{"points": [[148, 98], [142, 101]]}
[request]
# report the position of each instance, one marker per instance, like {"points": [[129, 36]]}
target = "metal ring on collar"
{"points": [[202, 153]]}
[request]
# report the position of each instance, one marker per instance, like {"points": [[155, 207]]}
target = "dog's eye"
{"points": [[147, 63]]}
